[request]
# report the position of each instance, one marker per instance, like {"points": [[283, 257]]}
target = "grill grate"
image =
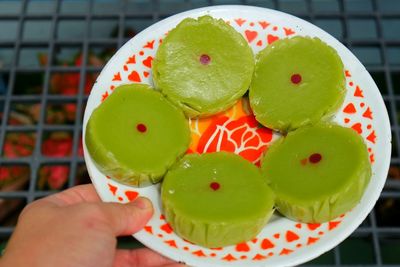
{"points": [[59, 29]]}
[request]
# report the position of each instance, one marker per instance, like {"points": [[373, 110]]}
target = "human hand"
{"points": [[74, 228]]}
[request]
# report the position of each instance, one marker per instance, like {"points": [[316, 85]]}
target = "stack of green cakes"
{"points": [[317, 171]]}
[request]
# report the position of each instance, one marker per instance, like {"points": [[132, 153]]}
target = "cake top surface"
{"points": [[314, 162], [297, 81], [217, 186], [203, 65], [157, 130]]}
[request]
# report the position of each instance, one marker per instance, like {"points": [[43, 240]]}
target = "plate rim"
{"points": [[352, 225]]}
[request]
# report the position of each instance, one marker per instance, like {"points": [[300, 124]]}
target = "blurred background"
{"points": [[52, 51]]}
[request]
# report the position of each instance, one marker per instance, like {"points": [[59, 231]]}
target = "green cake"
{"points": [[297, 81], [317, 172], [203, 66], [216, 199], [136, 134]]}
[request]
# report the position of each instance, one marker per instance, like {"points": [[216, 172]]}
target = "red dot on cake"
{"points": [[160, 235], [362, 104], [205, 59], [185, 248], [141, 127], [213, 254], [320, 233], [369, 126], [270, 254], [369, 149], [315, 158], [243, 257], [215, 186], [298, 245], [275, 28], [351, 83], [295, 78], [141, 53]]}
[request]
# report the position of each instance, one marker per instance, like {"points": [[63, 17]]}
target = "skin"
{"points": [[74, 228]]}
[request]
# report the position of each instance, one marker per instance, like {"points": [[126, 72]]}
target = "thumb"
{"points": [[126, 219]]}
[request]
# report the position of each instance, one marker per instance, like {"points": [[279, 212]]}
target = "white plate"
{"points": [[282, 242]]}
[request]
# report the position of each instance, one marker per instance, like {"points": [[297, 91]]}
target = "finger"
{"points": [[142, 257], [73, 195], [125, 219]]}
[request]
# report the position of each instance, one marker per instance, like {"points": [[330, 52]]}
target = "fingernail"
{"points": [[142, 203]]}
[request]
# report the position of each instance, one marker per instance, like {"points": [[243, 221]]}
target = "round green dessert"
{"points": [[317, 172], [216, 199], [296, 82], [136, 134], [203, 66]]}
